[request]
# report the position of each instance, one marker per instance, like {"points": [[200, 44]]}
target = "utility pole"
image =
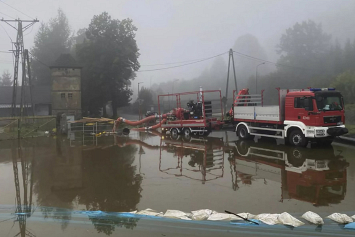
{"points": [[29, 80], [235, 78], [19, 49]]}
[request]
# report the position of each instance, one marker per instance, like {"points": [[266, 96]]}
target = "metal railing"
{"points": [[17, 127]]}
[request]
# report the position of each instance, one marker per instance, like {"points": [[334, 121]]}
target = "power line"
{"points": [[5, 52], [34, 57], [161, 64], [16, 9], [7, 15], [270, 62], [30, 31], [6, 33], [182, 65]]}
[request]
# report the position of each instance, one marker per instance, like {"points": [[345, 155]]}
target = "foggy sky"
{"points": [[179, 30]]}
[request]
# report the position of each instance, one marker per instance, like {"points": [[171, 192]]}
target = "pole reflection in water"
{"points": [[23, 210]]}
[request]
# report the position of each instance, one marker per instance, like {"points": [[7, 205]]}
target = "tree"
{"points": [[305, 46], [345, 83], [146, 98], [5, 79], [52, 39], [110, 57]]}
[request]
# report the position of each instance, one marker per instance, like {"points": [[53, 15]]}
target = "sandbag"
{"points": [[314, 218], [340, 218], [353, 217], [177, 214], [223, 217], [149, 212], [202, 214], [246, 215], [267, 218], [286, 219]]}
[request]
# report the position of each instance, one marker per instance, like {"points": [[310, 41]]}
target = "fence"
{"points": [[15, 127]]}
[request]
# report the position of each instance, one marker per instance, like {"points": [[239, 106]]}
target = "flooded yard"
{"points": [[150, 170]]}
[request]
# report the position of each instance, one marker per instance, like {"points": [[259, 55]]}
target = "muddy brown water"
{"points": [[151, 170]]}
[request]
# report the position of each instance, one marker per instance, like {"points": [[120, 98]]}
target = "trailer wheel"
{"points": [[174, 133], [242, 132], [187, 133], [297, 138]]}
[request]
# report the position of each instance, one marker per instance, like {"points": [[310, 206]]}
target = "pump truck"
{"points": [[315, 114]]}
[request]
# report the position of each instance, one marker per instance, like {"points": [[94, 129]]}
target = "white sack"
{"points": [[286, 219], [340, 218], [202, 214], [222, 216], [269, 219], [314, 218], [177, 214], [149, 212], [246, 215]]}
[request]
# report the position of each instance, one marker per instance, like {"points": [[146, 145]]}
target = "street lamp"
{"points": [[256, 77], [139, 102]]}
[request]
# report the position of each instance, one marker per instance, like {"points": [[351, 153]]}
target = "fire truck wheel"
{"points": [[297, 138], [174, 133], [242, 132]]}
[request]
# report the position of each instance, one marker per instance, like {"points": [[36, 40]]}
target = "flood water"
{"points": [[150, 170]]}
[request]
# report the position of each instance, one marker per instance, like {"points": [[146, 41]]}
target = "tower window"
{"points": [[62, 95], [70, 95]]}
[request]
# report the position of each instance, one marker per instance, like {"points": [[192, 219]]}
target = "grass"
{"points": [[351, 128]]}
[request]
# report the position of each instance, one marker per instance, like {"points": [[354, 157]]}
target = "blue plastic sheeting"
{"points": [[350, 226], [248, 223]]}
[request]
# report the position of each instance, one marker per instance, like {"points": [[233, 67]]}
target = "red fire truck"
{"points": [[301, 116]]}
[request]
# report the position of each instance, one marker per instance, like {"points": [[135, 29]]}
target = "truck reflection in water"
{"points": [[194, 155], [203, 155], [315, 175]]}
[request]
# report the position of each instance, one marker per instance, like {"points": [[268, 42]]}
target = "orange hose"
{"points": [[134, 123], [150, 128]]}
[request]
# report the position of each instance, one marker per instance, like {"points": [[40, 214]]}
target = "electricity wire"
{"points": [[16, 9], [182, 65], [7, 15], [266, 61]]}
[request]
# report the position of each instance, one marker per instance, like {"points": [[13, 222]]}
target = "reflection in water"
{"points": [[23, 202], [61, 175], [68, 177], [311, 175], [206, 156], [107, 223]]}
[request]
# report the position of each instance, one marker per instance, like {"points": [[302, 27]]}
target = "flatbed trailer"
{"points": [[199, 119]]}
